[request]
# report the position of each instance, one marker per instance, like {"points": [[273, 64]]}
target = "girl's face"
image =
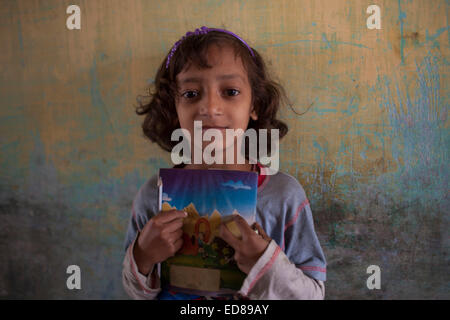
{"points": [[220, 96]]}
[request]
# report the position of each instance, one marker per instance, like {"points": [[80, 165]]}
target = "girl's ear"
{"points": [[253, 114]]}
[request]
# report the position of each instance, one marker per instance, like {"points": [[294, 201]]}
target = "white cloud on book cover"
{"points": [[236, 185], [165, 197]]}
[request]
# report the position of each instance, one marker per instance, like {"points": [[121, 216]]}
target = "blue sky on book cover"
{"points": [[223, 190]]}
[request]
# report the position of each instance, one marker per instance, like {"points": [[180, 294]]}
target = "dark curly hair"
{"points": [[160, 114]]}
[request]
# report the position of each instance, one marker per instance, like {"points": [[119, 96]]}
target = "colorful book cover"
{"points": [[205, 265]]}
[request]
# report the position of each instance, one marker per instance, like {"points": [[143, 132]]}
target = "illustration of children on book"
{"points": [[204, 249], [200, 237]]}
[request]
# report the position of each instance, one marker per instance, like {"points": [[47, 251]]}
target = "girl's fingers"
{"points": [[261, 231], [178, 244], [174, 225], [243, 226], [226, 235], [174, 236], [168, 216]]}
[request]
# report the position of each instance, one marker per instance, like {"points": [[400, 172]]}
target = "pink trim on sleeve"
{"points": [[294, 219], [264, 269], [312, 268]]}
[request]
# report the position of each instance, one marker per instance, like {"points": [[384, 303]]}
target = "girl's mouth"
{"points": [[204, 128]]}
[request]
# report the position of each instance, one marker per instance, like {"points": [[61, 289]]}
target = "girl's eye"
{"points": [[232, 92], [190, 94]]}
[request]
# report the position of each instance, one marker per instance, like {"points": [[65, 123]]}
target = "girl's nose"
{"points": [[212, 105]]}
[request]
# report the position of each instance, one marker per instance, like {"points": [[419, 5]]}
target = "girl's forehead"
{"points": [[199, 77], [225, 64]]}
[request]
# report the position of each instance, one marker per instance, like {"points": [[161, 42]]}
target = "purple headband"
{"points": [[203, 30]]}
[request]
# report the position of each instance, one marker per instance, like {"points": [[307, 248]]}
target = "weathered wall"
{"points": [[371, 152]]}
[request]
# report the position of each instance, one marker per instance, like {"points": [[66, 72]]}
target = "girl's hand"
{"points": [[160, 239], [248, 249]]}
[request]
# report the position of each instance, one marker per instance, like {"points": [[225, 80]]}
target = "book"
{"points": [[205, 265]]}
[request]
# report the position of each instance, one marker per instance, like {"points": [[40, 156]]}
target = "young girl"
{"points": [[213, 76]]}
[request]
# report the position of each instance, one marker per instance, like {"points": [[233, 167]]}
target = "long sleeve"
{"points": [[136, 285], [274, 277], [293, 266]]}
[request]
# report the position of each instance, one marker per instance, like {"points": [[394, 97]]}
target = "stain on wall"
{"points": [[369, 138]]}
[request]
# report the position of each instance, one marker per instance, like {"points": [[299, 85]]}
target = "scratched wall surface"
{"points": [[371, 146]]}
